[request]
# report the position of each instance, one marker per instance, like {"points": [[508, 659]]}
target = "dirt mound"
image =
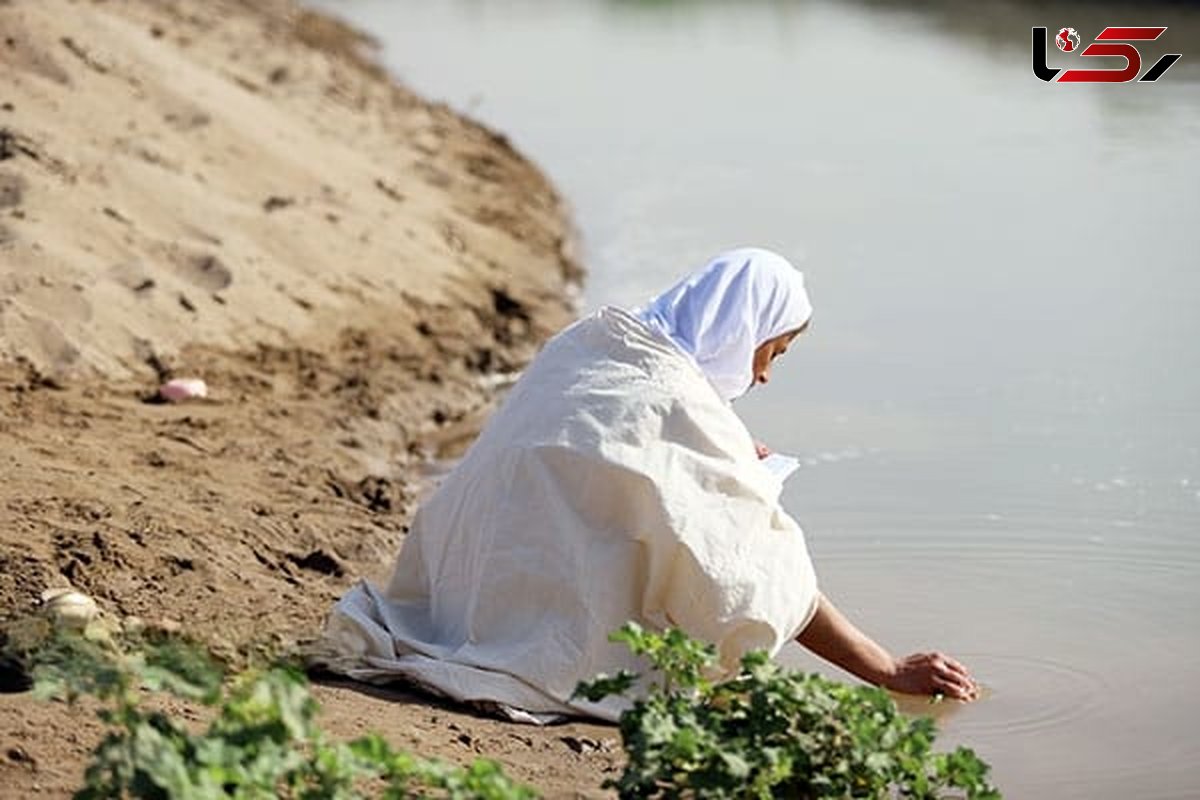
{"points": [[228, 173]]}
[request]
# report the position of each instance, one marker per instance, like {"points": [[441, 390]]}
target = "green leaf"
{"points": [[603, 686]]}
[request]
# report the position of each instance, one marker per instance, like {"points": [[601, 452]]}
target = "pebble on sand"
{"points": [[69, 608], [178, 389]]}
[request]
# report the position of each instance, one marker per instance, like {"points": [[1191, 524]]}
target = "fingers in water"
{"points": [[956, 687]]}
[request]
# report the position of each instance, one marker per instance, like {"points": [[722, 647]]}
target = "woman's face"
{"points": [[769, 350]]}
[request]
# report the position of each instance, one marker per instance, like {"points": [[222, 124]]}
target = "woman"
{"points": [[616, 483]]}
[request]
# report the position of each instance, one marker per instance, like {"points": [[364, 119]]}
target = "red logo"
{"points": [[1067, 39], [1110, 42]]}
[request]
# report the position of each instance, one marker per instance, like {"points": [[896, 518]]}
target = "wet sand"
{"points": [[234, 191]]}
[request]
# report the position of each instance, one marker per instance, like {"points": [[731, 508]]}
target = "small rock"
{"points": [[68, 608], [178, 389]]}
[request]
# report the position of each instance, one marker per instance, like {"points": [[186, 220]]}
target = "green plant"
{"points": [[771, 732], [263, 741]]}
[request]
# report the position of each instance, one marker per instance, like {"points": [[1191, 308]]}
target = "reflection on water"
{"points": [[997, 403]]}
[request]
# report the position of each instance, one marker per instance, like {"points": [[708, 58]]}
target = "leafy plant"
{"points": [[263, 742], [771, 732]]}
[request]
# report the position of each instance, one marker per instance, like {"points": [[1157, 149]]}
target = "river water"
{"points": [[998, 402]]}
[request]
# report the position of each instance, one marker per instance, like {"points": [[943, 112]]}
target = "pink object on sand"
{"points": [[178, 389]]}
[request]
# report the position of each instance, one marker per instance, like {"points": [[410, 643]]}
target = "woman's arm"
{"points": [[834, 638]]}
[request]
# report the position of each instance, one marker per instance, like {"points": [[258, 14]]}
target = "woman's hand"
{"points": [[931, 673], [762, 450], [834, 638]]}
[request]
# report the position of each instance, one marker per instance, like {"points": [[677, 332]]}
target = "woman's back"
{"points": [[613, 484]]}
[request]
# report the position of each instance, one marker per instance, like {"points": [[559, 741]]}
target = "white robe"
{"points": [[613, 484]]}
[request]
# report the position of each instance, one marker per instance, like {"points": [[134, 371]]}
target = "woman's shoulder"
{"points": [[611, 334], [610, 358]]}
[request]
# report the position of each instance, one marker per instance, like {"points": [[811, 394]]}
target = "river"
{"points": [[998, 403]]}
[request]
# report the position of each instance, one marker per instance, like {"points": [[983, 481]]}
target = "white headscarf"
{"points": [[720, 314]]}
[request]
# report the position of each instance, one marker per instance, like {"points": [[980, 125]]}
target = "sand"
{"points": [[235, 191]]}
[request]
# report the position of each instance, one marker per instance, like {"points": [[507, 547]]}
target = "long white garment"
{"points": [[613, 484], [720, 313]]}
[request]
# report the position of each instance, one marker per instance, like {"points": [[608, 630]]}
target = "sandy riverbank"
{"points": [[234, 190]]}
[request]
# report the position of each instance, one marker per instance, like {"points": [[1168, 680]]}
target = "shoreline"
{"points": [[237, 191]]}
